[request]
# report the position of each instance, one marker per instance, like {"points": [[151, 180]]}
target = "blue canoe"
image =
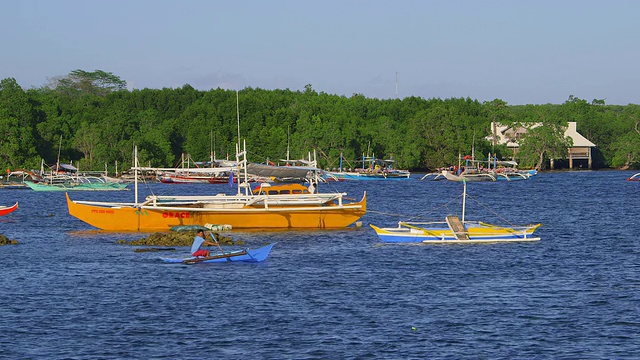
{"points": [[246, 255]]}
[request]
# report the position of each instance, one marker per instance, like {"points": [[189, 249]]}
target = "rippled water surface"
{"points": [[70, 292]]}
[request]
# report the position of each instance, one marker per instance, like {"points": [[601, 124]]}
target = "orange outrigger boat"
{"points": [[278, 207]]}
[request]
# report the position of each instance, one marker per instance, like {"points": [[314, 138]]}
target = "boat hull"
{"points": [[4, 210], [248, 255], [348, 176], [107, 186], [176, 179], [476, 234], [128, 217], [487, 176]]}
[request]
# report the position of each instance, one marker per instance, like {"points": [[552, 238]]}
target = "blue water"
{"points": [[68, 291]]}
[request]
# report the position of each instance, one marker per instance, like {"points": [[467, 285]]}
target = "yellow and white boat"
{"points": [[293, 209], [456, 230]]}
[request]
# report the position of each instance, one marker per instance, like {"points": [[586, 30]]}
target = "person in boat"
{"points": [[198, 243]]}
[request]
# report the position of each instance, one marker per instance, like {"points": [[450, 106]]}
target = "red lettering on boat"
{"points": [[177, 215]]}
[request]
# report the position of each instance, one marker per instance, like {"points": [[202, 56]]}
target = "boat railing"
{"points": [[280, 199]]}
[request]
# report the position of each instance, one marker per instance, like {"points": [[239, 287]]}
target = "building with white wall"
{"points": [[510, 136]]}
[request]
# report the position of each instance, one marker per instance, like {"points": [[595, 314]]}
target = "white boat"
{"points": [[212, 173], [491, 169], [372, 169], [469, 175]]}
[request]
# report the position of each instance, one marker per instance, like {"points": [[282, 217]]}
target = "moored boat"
{"points": [[369, 175], [75, 183], [194, 177], [245, 210], [4, 210], [469, 175], [213, 173], [17, 179], [487, 175], [440, 233], [456, 230], [490, 170], [372, 169]]}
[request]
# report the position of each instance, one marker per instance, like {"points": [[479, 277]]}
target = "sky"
{"points": [[519, 51]]}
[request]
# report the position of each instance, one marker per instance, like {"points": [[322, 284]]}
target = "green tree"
{"points": [[17, 141], [96, 82], [154, 147], [544, 140], [499, 113]]}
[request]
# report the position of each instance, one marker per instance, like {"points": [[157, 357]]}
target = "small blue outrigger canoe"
{"points": [[246, 255]]}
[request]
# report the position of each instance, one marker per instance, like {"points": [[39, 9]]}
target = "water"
{"points": [[70, 292]]}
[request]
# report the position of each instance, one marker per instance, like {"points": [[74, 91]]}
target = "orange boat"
{"points": [[279, 207], [4, 210], [260, 211]]}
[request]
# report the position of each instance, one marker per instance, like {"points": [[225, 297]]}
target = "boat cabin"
{"points": [[284, 189]]}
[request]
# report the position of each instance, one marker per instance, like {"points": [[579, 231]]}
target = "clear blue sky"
{"points": [[520, 51]]}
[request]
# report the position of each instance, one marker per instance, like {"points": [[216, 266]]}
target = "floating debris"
{"points": [[170, 239], [5, 241]]}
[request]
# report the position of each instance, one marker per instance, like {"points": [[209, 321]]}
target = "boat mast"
{"points": [[135, 173], [243, 176], [211, 151], [473, 147], [464, 198], [316, 180], [396, 84], [58, 161], [238, 115], [241, 165], [288, 148]]}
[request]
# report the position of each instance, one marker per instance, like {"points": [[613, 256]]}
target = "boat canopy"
{"points": [[296, 172], [68, 167]]}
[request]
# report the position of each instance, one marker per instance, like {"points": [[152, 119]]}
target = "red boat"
{"points": [[4, 210]]}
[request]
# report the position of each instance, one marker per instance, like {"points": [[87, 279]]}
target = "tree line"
{"points": [[91, 119]]}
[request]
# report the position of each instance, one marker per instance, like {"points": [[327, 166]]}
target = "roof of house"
{"points": [[578, 140]]}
